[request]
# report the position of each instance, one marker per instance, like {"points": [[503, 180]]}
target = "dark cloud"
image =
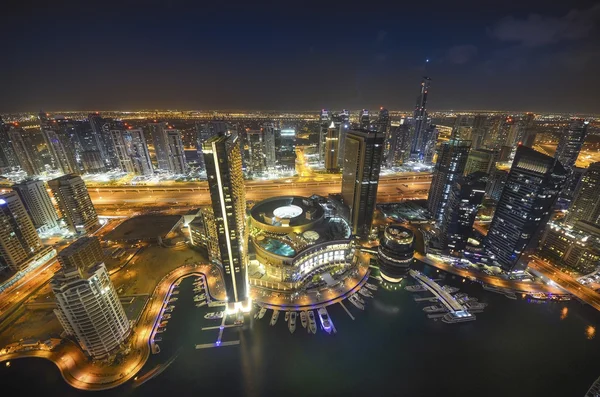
{"points": [[538, 30], [461, 54]]}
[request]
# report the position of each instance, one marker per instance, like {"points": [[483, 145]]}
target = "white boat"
{"points": [[371, 286], [287, 316], [292, 322], [173, 300], [274, 317], [198, 298], [201, 304], [159, 330], [262, 312], [312, 324], [213, 315], [359, 299], [365, 292], [166, 316], [303, 319], [356, 303], [324, 317]]}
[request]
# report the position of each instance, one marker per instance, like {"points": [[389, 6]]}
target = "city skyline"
{"points": [[533, 56]]}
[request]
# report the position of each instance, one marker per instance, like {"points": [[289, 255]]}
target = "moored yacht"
{"points": [[292, 322], [312, 324], [303, 319], [274, 317], [324, 317]]}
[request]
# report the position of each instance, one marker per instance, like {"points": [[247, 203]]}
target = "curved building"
{"points": [[293, 238], [395, 253]]}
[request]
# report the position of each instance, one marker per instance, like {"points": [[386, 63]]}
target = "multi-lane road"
{"points": [[390, 189]]}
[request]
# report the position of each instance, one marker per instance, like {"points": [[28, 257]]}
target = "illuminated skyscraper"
{"points": [[176, 152], [465, 199], [138, 150], [25, 151], [324, 123], [399, 149], [8, 157], [89, 309], [420, 121], [332, 148], [121, 141], [570, 143], [82, 254], [269, 142], [60, 145], [223, 162], [395, 253], [363, 154], [38, 204], [74, 203], [19, 242], [449, 167], [532, 186], [480, 161], [364, 119], [586, 203]]}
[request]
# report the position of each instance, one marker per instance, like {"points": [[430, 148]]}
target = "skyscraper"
{"points": [[332, 148], [363, 154], [138, 151], [269, 141], [37, 202], [570, 143], [25, 151], [8, 157], [82, 254], [480, 161], [465, 199], [575, 247], [159, 140], [89, 309], [74, 203], [226, 184], [19, 242], [479, 131], [395, 253], [324, 122], [450, 165], [59, 143], [121, 141], [532, 186], [177, 162], [102, 139], [420, 121], [399, 144], [364, 119], [586, 203]]}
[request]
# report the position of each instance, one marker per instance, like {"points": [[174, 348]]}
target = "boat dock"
{"points": [[456, 311]]}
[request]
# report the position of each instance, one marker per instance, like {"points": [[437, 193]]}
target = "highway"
{"points": [[390, 189], [567, 282]]}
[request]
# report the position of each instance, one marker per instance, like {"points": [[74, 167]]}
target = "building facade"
{"points": [[586, 202], [531, 188], [223, 162], [570, 143], [74, 203], [363, 154], [395, 253], [38, 204]]}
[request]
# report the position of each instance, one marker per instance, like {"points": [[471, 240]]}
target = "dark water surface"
{"points": [[515, 348]]}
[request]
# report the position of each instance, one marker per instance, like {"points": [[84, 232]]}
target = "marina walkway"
{"points": [[444, 297]]}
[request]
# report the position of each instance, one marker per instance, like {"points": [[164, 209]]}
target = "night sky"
{"points": [[532, 56]]}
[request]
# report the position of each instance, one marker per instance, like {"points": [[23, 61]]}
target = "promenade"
{"points": [[82, 373]]}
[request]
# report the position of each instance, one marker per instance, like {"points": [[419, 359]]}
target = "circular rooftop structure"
{"points": [[286, 214], [395, 253]]}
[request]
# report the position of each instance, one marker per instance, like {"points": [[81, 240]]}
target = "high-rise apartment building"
{"points": [[89, 309], [332, 142], [19, 242], [576, 247], [25, 151], [570, 142], [74, 203], [324, 123], [8, 158], [532, 186], [450, 165], [481, 160], [203, 233], [399, 144], [223, 162], [121, 141], [363, 154], [82, 254], [586, 202], [38, 204], [364, 120], [465, 199], [177, 162], [60, 144], [269, 142]]}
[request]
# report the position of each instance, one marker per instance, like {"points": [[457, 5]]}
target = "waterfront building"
{"points": [[450, 165], [363, 155], [82, 254], [570, 142], [533, 184], [576, 247], [420, 117], [586, 202], [89, 309], [203, 233], [395, 253], [38, 204], [223, 162], [457, 221], [74, 203], [19, 242]]}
